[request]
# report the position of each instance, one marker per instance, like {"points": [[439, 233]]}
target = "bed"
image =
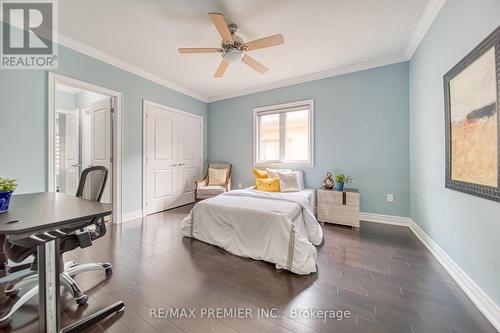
{"points": [[272, 226]]}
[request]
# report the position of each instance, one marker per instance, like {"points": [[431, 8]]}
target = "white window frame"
{"points": [[277, 109]]}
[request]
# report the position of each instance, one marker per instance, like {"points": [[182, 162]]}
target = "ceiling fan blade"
{"points": [[254, 64], [265, 42], [222, 68], [220, 24], [199, 50]]}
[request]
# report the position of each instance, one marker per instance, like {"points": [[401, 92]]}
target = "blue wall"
{"points": [[467, 228], [361, 127], [23, 119]]}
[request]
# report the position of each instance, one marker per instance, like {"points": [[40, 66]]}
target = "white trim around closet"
{"points": [[146, 103]]}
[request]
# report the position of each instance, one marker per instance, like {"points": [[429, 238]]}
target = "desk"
{"points": [[43, 216]]}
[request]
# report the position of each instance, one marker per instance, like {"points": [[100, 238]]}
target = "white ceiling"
{"points": [[320, 35]]}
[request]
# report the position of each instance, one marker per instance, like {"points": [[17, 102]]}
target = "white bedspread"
{"points": [[276, 227]]}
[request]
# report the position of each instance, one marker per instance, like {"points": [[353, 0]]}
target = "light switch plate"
{"points": [[390, 197]]}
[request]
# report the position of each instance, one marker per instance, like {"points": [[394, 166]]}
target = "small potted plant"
{"points": [[341, 179], [7, 186]]}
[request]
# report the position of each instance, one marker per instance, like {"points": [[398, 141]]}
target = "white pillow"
{"points": [[273, 173], [288, 181], [300, 179]]}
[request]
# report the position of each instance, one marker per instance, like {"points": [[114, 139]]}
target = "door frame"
{"points": [[146, 103], [66, 112], [117, 103]]}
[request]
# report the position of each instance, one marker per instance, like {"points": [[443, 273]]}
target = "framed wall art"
{"points": [[472, 90]]}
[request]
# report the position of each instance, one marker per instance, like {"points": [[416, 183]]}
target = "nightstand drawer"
{"points": [[330, 197], [342, 214], [337, 198], [352, 199]]}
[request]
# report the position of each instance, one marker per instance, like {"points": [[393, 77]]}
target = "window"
{"points": [[283, 135]]}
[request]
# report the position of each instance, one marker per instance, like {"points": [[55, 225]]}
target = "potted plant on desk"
{"points": [[342, 179], [7, 186]]}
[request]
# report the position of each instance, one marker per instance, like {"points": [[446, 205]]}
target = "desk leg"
{"points": [[48, 281]]}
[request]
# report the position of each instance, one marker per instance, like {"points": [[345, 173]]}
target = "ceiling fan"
{"points": [[233, 48]]}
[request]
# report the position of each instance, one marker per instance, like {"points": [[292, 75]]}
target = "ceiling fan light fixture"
{"points": [[232, 55], [233, 48]]}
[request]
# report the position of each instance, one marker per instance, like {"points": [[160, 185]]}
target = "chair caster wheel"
{"points": [[108, 268], [82, 300], [11, 293], [5, 323]]}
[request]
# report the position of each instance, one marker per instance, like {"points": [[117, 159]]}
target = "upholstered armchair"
{"points": [[216, 181]]}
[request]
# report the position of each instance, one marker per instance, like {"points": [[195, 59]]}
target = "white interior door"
{"points": [[161, 156], [189, 168], [173, 158], [100, 141], [71, 153]]}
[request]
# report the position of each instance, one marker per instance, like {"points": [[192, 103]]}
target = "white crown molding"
{"points": [[478, 297], [109, 59], [105, 57], [428, 16], [313, 77], [481, 300], [130, 216], [431, 11]]}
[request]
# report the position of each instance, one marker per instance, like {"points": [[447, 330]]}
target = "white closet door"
{"points": [[189, 168], [173, 152], [161, 157]]}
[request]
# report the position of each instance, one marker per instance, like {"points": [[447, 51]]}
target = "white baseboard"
{"points": [[131, 216], [385, 219], [482, 301]]}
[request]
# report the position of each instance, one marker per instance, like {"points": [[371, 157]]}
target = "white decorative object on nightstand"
{"points": [[339, 207]]}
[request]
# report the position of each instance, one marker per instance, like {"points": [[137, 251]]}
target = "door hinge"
{"points": [[111, 159], [112, 110]]}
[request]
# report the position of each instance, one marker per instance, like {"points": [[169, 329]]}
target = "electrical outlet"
{"points": [[390, 197], [240, 185]]}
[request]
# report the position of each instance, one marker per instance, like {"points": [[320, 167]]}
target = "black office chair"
{"points": [[91, 187]]}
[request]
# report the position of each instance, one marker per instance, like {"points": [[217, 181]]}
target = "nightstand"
{"points": [[339, 207]]}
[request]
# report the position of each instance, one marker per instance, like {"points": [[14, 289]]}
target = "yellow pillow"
{"points": [[267, 184], [259, 173]]}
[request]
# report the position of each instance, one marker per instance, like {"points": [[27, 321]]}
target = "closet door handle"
{"points": [[181, 164], [174, 165]]}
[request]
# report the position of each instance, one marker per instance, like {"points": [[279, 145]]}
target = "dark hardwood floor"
{"points": [[382, 275]]}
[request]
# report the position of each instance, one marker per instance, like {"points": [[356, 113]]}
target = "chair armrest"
{"points": [[201, 182], [197, 183]]}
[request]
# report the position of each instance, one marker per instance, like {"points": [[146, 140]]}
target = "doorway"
{"points": [[83, 132]]}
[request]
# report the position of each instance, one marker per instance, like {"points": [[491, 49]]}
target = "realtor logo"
{"points": [[29, 34]]}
